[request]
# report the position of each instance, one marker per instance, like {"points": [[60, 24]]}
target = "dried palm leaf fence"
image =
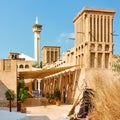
{"points": [[102, 102], [107, 98]]}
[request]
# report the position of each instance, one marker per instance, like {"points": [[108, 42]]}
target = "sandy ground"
{"points": [[49, 112]]}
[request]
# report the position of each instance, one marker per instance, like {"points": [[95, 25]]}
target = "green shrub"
{"points": [[22, 92], [10, 94], [57, 94]]}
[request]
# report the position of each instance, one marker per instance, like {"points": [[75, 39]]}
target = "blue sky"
{"points": [[56, 16]]}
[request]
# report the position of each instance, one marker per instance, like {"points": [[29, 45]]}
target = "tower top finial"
{"points": [[36, 19]]}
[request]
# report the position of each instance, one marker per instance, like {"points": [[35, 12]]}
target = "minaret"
{"points": [[37, 29]]}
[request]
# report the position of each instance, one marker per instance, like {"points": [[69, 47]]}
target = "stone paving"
{"points": [[36, 118], [49, 112]]}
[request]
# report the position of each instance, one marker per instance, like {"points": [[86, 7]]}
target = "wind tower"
{"points": [[37, 29]]}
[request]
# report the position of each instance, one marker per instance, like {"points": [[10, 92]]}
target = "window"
{"points": [[92, 60], [106, 60], [99, 60], [52, 55], [56, 55], [99, 47], [97, 28], [92, 47], [94, 28], [108, 29], [107, 48], [21, 66], [26, 66], [7, 65], [48, 57], [90, 27], [101, 29], [105, 29]]}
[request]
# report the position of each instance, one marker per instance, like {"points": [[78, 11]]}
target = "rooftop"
{"points": [[93, 9]]}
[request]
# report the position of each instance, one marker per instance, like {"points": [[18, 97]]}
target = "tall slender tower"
{"points": [[37, 29]]}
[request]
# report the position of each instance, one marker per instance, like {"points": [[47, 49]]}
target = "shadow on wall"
{"points": [[76, 81], [3, 89]]}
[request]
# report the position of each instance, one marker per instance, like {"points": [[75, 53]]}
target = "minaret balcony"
{"points": [[37, 28]]}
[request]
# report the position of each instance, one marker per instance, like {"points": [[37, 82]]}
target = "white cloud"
{"points": [[67, 35]]}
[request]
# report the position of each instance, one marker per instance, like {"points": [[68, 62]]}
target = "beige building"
{"points": [[9, 69], [94, 38], [50, 54], [93, 50]]}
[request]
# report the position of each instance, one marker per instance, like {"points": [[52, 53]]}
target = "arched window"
{"points": [[26, 66], [21, 66], [92, 47], [99, 47], [107, 48]]}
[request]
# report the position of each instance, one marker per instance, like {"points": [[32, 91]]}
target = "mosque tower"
{"points": [[37, 29]]}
